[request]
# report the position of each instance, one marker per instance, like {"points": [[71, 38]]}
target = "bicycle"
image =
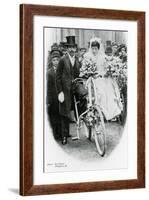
{"points": [[92, 118]]}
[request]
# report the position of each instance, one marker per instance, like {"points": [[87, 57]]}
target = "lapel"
{"points": [[70, 69], [68, 63], [75, 63]]}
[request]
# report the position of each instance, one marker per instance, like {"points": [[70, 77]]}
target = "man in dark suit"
{"points": [[52, 98], [67, 71]]}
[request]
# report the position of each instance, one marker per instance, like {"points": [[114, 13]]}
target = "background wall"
{"points": [[83, 36], [9, 100]]}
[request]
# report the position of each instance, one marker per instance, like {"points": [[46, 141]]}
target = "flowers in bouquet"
{"points": [[110, 71], [88, 67], [122, 74], [111, 65], [117, 70]]}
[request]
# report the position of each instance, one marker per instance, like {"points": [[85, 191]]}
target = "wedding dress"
{"points": [[108, 93]]}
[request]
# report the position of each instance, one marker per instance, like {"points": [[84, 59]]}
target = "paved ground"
{"points": [[86, 150]]}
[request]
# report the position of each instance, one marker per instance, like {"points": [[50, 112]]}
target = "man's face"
{"points": [[72, 50], [95, 50], [55, 61], [109, 54]]}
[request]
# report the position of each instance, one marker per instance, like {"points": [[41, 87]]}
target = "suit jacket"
{"points": [[64, 76], [52, 97]]}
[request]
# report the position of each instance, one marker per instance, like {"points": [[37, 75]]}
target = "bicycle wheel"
{"points": [[99, 133]]}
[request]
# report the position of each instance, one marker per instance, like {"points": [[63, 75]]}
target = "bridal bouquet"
{"points": [[88, 67], [117, 70]]}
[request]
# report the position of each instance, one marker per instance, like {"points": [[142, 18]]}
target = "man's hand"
{"points": [[61, 97]]}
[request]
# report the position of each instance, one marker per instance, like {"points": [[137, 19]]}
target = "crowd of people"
{"points": [[113, 48], [66, 61]]}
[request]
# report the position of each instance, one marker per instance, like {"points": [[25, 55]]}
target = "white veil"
{"points": [[100, 57]]}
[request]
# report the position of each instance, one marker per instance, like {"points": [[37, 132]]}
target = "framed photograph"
{"points": [[82, 99]]}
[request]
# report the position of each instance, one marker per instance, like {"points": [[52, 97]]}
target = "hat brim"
{"points": [[56, 50], [70, 45], [55, 56]]}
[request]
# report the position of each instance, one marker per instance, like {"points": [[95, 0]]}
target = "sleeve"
{"points": [[78, 69], [59, 73]]}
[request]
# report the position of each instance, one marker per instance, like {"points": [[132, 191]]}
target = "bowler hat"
{"points": [[55, 54], [57, 51], [70, 41]]}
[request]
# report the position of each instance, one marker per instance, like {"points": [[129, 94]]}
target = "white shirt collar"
{"points": [[72, 59]]}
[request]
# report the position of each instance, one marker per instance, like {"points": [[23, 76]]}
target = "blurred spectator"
{"points": [[63, 48], [54, 48], [108, 43], [123, 53], [81, 53], [115, 49]]}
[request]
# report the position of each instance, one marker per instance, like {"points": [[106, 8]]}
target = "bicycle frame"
{"points": [[89, 84]]}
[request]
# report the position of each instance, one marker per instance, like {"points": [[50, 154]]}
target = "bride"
{"points": [[108, 93]]}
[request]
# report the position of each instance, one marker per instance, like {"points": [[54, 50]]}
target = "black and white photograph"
{"points": [[82, 100], [85, 95]]}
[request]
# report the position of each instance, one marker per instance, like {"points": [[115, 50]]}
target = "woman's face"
{"points": [[94, 50]]}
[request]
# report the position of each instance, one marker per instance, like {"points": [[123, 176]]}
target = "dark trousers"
{"points": [[55, 121], [64, 126]]}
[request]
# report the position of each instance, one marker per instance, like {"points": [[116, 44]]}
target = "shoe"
{"points": [[64, 140]]}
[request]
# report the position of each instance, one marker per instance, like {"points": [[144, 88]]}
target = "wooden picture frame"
{"points": [[27, 12]]}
